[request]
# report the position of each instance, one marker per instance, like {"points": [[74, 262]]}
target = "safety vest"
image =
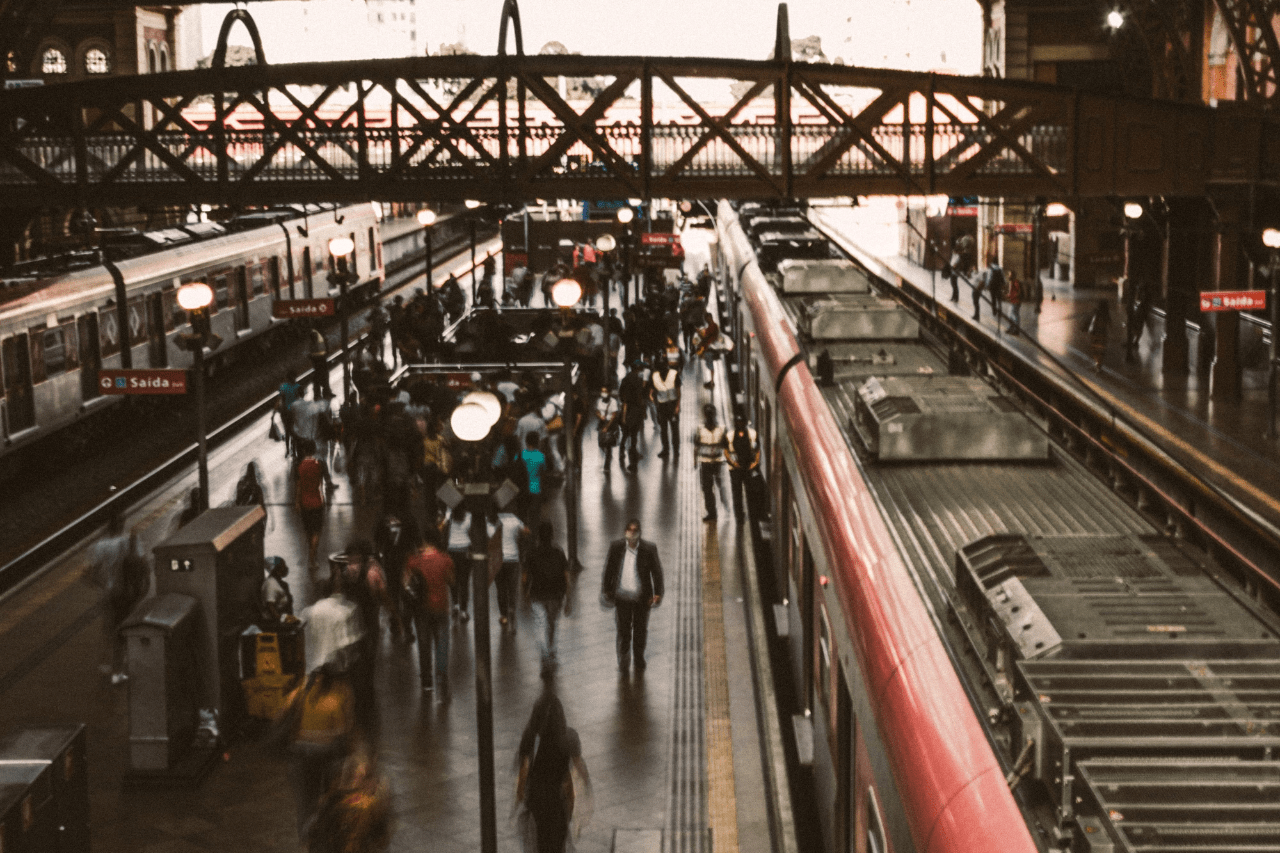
{"points": [[710, 444]]}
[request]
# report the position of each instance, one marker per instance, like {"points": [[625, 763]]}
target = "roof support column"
{"points": [[1224, 381]]}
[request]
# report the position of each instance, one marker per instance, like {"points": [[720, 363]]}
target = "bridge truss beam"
{"points": [[511, 128]]}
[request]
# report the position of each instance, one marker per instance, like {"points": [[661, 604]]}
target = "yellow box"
{"points": [[267, 655], [265, 695]]}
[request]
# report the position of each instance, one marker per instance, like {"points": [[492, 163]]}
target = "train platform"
{"points": [[685, 756], [1222, 442]]}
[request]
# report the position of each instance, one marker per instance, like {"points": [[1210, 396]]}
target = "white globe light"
{"points": [[606, 243], [472, 204], [194, 296], [566, 292], [625, 215], [1271, 238], [1132, 210], [426, 217], [340, 247], [1115, 19], [1057, 209], [470, 422], [487, 401]]}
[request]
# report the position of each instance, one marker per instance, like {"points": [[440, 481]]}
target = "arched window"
{"points": [[151, 58], [96, 61], [164, 57], [53, 61]]}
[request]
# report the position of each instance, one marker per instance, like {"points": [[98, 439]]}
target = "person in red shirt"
{"points": [[309, 496], [428, 575]]}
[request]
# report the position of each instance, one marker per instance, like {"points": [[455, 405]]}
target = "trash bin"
{"points": [[338, 563], [27, 819], [164, 680], [63, 750]]}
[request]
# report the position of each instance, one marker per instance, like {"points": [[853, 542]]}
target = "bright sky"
{"points": [[920, 35]]}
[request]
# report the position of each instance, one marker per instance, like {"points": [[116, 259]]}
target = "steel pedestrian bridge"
{"points": [[512, 128]]}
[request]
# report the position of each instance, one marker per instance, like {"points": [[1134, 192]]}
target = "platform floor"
{"points": [[1224, 442], [671, 754]]}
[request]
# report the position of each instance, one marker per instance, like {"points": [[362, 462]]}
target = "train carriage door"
{"points": [[808, 606], [90, 355], [18, 387], [846, 811], [157, 351], [306, 273], [240, 278]]}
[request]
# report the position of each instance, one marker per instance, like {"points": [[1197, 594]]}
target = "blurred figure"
{"points": [[191, 510], [1099, 330], [428, 577], [249, 491], [742, 451], [633, 394], [458, 541], [322, 714], [664, 391], [395, 539], [354, 815], [535, 466], [114, 562], [309, 497], [319, 356], [551, 779], [632, 584], [514, 538], [608, 426], [711, 446], [546, 581]]}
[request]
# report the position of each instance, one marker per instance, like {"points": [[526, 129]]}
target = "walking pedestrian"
{"points": [[705, 343], [458, 541], [309, 497], [428, 577], [394, 540], [633, 394], [535, 466], [1098, 329], [711, 448], [515, 535], [742, 451], [354, 815], [319, 357], [953, 273], [632, 585], [290, 392], [664, 389], [546, 582], [552, 781], [324, 709], [608, 426], [117, 567]]}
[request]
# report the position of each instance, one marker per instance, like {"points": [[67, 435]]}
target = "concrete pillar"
{"points": [[1174, 286]]}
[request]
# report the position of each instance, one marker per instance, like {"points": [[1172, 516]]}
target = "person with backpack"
{"points": [[742, 452], [249, 491], [428, 574], [552, 781]]}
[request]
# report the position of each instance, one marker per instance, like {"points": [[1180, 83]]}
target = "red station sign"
{"points": [[289, 309], [142, 381], [1233, 300], [659, 239], [1013, 228]]}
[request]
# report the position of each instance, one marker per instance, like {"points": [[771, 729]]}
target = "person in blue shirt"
{"points": [[535, 464], [290, 393]]}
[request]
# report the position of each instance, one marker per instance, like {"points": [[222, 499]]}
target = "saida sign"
{"points": [[142, 381]]}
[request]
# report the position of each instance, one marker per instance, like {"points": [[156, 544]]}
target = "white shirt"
{"points": [[511, 525], [607, 408], [460, 533], [629, 582], [331, 625], [664, 386]]}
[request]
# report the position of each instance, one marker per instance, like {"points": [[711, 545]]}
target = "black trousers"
{"points": [[709, 474], [633, 628], [668, 427]]}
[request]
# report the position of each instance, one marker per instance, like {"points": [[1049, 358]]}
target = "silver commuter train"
{"points": [[56, 333]]}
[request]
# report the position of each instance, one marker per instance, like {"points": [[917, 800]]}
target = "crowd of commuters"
{"points": [[412, 576]]}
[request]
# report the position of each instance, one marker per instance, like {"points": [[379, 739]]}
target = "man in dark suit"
{"points": [[632, 583]]}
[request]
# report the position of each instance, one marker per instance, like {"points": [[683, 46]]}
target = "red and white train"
{"points": [[994, 651], [57, 332]]}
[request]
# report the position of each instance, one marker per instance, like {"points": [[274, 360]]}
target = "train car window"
{"points": [[71, 339], [808, 594], [90, 356], [17, 383], [109, 330], [273, 276], [137, 320], [375, 257], [875, 825], [158, 349], [241, 296], [355, 256], [39, 371], [172, 313], [257, 278], [846, 766], [824, 659], [221, 292]]}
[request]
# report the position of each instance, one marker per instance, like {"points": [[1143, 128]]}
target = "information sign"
{"points": [[148, 381], [1233, 300], [289, 309], [1013, 228], [647, 239]]}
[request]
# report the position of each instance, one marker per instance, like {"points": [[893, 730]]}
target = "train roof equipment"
{"points": [[827, 275]]}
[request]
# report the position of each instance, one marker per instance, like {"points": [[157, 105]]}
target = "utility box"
{"points": [[28, 822], [62, 750], [164, 680], [217, 559]]}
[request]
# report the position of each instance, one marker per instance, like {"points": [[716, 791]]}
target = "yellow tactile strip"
{"points": [[722, 798]]}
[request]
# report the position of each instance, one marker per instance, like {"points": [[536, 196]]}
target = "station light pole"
{"points": [[472, 421], [473, 206], [565, 293], [625, 216], [195, 298], [1271, 239], [605, 244], [342, 249], [427, 218]]}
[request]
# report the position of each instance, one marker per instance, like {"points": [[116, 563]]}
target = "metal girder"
{"points": [[505, 128], [1252, 25]]}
